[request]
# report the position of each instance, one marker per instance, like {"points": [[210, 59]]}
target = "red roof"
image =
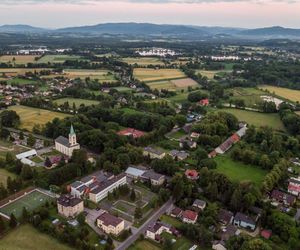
{"points": [[212, 154], [266, 234], [131, 132], [190, 215], [293, 188], [235, 138], [204, 102], [191, 173]]}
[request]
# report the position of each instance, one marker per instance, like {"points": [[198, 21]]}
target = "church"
{"points": [[65, 145]]}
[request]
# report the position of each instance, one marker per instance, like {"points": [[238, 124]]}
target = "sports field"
{"points": [[290, 94], [26, 237], [151, 75], [4, 174], [30, 201], [58, 58], [77, 102], [257, 119], [31, 116], [238, 171], [143, 61], [18, 59]]}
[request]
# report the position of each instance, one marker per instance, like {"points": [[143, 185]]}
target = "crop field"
{"points": [[151, 75], [31, 116], [173, 84], [290, 94], [238, 171], [101, 75], [77, 102], [4, 174], [143, 61], [257, 119], [58, 58], [26, 237], [18, 59], [30, 201], [19, 71]]}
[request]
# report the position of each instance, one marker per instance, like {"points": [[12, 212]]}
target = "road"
{"points": [[124, 245]]}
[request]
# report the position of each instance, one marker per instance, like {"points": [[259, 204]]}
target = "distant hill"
{"points": [[20, 28], [275, 31]]}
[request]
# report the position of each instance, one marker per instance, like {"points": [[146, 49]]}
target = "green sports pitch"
{"points": [[30, 201]]}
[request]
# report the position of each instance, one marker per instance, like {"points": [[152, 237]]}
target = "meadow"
{"points": [[21, 81], [238, 171], [77, 101], [143, 61], [257, 119], [290, 94], [151, 75], [19, 71], [31, 116], [26, 237], [18, 59], [4, 174], [210, 74], [58, 58], [251, 96], [7, 146]]}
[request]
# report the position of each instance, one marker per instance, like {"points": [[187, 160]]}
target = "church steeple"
{"points": [[72, 136]]}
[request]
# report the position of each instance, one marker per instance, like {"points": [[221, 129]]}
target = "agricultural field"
{"points": [[31, 116], [290, 94], [251, 96], [21, 81], [75, 101], [18, 59], [19, 71], [143, 61], [210, 74], [151, 75], [238, 171], [26, 237], [4, 174], [30, 201], [58, 58], [173, 84], [257, 119]]}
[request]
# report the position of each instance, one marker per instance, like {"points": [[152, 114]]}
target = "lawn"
{"points": [[151, 75], [238, 171], [30, 201], [257, 119], [27, 237], [21, 81], [144, 245], [31, 116], [290, 94], [171, 221], [77, 101], [143, 61], [18, 59], [4, 174], [58, 58]]}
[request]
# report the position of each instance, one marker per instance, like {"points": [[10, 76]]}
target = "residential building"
{"points": [[225, 217], [67, 145], [228, 232], [219, 245], [187, 143], [154, 231], [110, 224], [294, 186], [189, 216], [284, 198], [153, 153], [176, 212], [266, 234], [69, 206], [204, 102], [191, 174], [131, 132], [155, 178], [199, 204], [179, 155], [244, 221]]}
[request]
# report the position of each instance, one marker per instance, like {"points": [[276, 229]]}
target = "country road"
{"points": [[124, 245]]}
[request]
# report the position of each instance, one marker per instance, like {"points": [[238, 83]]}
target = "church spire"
{"points": [[72, 132]]}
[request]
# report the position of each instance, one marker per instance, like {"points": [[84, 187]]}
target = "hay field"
{"points": [[210, 74], [31, 116], [19, 71], [18, 59], [101, 75], [150, 75], [77, 101], [290, 94], [173, 84], [143, 61], [58, 58]]}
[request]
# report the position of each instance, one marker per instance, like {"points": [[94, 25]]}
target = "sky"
{"points": [[227, 13]]}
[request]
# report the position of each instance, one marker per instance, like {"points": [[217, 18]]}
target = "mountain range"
{"points": [[150, 30]]}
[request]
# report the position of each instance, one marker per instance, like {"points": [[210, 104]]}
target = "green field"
{"points": [[251, 96], [257, 119], [77, 101], [143, 61], [58, 58], [21, 81], [27, 237], [174, 84], [171, 221], [123, 89], [290, 94], [4, 174], [151, 75], [31, 116], [30, 201], [144, 245], [210, 74], [238, 171]]}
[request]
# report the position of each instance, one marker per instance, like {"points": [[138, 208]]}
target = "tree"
{"points": [[138, 213], [236, 199], [48, 163], [132, 195], [2, 225], [256, 244], [81, 218], [27, 173], [13, 221], [10, 118], [168, 245], [25, 215], [31, 140]]}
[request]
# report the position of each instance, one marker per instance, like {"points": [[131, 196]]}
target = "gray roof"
{"points": [[200, 203], [243, 217], [68, 200], [76, 184], [180, 154], [63, 140], [153, 150], [134, 171], [152, 175], [107, 183]]}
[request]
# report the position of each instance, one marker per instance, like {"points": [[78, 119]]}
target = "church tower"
{"points": [[72, 137]]}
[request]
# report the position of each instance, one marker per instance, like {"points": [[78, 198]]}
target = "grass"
{"points": [[238, 171], [21, 81], [151, 75], [27, 237], [58, 58], [210, 74], [144, 245], [171, 221], [18, 59], [4, 174], [257, 119], [174, 84], [123, 89], [77, 102], [143, 61], [31, 116], [30, 201], [251, 96], [20, 71], [290, 94]]}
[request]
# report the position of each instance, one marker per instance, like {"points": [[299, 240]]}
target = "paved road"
{"points": [[124, 245]]}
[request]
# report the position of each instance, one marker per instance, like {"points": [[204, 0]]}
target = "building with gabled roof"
{"points": [[67, 145], [69, 206], [110, 224], [189, 216]]}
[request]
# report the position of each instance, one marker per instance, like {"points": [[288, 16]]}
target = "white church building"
{"points": [[65, 145]]}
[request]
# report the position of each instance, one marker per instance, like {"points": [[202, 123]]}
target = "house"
{"points": [[131, 132], [187, 143], [266, 234], [179, 155], [219, 245], [194, 136], [154, 231], [110, 224], [67, 145], [225, 217], [212, 154], [229, 231], [155, 178], [244, 221], [69, 206], [189, 216], [199, 204], [204, 102], [153, 153], [284, 198], [294, 186], [191, 174], [176, 212]]}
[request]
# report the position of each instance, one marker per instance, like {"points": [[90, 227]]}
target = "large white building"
{"points": [[65, 145]]}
